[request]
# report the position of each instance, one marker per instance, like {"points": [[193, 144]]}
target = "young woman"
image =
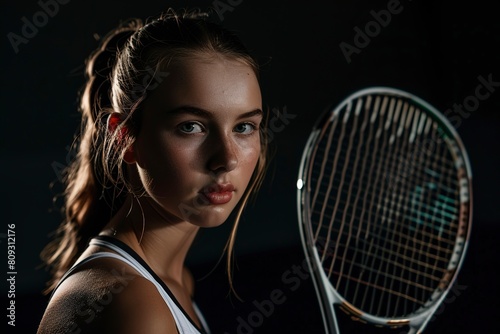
{"points": [[172, 140]]}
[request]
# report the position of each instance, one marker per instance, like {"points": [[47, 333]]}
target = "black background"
{"points": [[436, 50]]}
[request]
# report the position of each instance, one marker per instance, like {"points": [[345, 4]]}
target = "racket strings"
{"points": [[380, 209], [447, 211], [428, 251], [442, 214], [385, 240], [403, 162], [384, 257], [440, 176]]}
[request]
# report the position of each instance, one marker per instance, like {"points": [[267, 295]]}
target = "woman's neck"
{"points": [[162, 241]]}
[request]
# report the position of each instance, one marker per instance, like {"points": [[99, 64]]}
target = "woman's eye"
{"points": [[245, 128], [191, 127]]}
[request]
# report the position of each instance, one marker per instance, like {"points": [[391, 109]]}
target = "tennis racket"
{"points": [[384, 206]]}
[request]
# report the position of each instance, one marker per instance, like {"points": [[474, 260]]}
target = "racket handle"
{"points": [[330, 323]]}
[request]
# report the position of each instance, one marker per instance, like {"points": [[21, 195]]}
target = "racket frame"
{"points": [[327, 295]]}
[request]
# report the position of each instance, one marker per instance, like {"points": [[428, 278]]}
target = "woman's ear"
{"points": [[115, 124], [129, 156]]}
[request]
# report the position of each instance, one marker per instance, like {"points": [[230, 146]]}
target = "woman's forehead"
{"points": [[210, 84]]}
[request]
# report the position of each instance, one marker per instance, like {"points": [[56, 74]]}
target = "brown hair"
{"points": [[118, 78]]}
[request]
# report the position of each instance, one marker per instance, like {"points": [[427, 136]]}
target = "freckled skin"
{"points": [[174, 165]]}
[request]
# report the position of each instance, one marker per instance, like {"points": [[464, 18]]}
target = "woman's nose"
{"points": [[223, 157]]}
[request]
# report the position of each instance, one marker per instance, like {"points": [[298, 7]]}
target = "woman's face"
{"points": [[199, 140]]}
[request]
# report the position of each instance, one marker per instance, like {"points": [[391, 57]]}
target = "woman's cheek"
{"points": [[251, 156]]}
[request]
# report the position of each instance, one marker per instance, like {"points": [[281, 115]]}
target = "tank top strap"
{"points": [[184, 323]]}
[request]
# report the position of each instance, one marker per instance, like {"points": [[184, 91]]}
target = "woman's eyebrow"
{"points": [[190, 110], [205, 113], [255, 112]]}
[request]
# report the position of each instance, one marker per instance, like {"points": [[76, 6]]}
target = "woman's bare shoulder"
{"points": [[107, 297]]}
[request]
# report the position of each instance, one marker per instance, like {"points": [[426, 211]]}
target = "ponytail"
{"points": [[89, 201]]}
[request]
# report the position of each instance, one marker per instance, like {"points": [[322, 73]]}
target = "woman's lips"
{"points": [[219, 198], [218, 193]]}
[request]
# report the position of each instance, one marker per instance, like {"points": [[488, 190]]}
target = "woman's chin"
{"points": [[209, 219]]}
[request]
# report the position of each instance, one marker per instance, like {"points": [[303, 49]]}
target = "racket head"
{"points": [[385, 207]]}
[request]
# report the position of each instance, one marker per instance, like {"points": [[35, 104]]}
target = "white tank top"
{"points": [[184, 323]]}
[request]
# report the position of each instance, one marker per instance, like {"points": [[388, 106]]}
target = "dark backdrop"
{"points": [[437, 50]]}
